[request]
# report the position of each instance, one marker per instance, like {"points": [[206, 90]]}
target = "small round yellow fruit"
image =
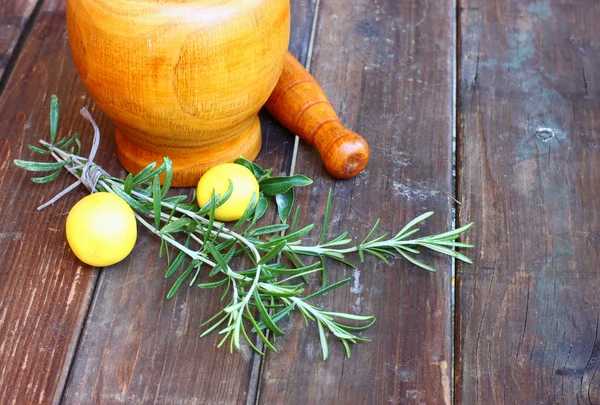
{"points": [[101, 229], [217, 179]]}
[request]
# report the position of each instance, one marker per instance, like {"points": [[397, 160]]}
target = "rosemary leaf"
{"points": [[214, 284], [323, 338], [412, 223], [327, 289], [265, 230], [46, 179], [168, 177], [156, 196], [326, 217], [39, 166], [265, 316], [53, 117], [173, 290], [39, 150]]}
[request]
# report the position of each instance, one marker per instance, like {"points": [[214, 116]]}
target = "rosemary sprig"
{"points": [[383, 246], [259, 290]]}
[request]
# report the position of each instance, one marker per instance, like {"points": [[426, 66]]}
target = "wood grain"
{"points": [[387, 68], [529, 165], [14, 19], [138, 347], [44, 290]]}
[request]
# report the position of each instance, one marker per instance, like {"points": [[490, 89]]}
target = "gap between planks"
{"points": [[457, 187], [455, 203], [309, 54]]}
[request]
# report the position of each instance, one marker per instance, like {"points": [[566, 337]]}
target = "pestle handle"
{"points": [[298, 102]]}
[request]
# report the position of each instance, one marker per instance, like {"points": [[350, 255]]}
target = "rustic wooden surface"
{"points": [[527, 119], [529, 175]]}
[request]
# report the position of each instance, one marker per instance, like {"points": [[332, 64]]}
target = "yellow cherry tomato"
{"points": [[101, 229], [217, 180]]}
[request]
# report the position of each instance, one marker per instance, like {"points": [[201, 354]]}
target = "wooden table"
{"points": [[485, 111]]}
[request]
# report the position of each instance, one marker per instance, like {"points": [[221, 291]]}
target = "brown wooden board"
{"points": [[14, 19], [387, 67], [44, 290], [529, 162], [138, 347]]}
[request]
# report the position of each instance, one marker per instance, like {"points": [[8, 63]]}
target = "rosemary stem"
{"points": [[225, 232], [173, 242], [76, 166], [78, 162], [318, 250]]}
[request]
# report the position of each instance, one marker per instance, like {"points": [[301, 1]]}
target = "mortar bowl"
{"points": [[180, 78]]}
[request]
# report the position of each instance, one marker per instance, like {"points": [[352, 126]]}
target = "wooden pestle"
{"points": [[298, 102]]}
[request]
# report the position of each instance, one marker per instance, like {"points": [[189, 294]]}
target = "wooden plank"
{"points": [[14, 19], [528, 310], [387, 67], [138, 347], [44, 290]]}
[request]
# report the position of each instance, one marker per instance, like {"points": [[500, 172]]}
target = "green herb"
{"points": [[258, 289]]}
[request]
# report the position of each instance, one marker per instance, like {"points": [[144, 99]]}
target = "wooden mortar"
{"points": [[183, 79], [186, 79]]}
